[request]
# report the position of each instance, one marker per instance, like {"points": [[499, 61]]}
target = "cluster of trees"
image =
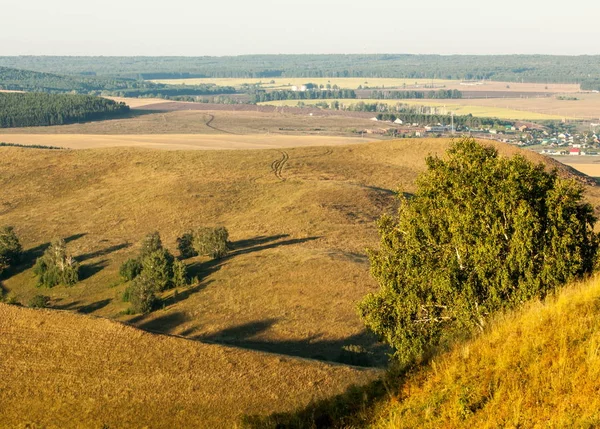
{"points": [[395, 95], [310, 94], [205, 241], [40, 109], [56, 266], [156, 269], [512, 68], [482, 234]]}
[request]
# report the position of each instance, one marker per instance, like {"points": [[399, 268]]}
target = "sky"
{"points": [[236, 27]]}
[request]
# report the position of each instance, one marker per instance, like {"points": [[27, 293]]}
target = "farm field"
{"points": [[354, 83], [446, 106], [177, 141], [587, 105], [589, 165], [284, 121], [62, 369]]}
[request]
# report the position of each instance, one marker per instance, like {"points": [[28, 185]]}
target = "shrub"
{"points": [[39, 301], [482, 233], [10, 248], [56, 266], [185, 245], [213, 242], [141, 294], [130, 269]]}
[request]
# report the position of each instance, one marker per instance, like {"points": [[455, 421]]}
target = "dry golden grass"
{"points": [[539, 367], [63, 370], [299, 265], [178, 141]]}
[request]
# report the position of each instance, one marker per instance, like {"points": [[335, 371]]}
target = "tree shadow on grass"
{"points": [[86, 308], [361, 349], [103, 252], [88, 270]]}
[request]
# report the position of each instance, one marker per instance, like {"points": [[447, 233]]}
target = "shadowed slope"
{"points": [[61, 369]]}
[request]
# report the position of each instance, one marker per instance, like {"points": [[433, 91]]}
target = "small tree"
{"points": [[213, 242], [158, 266], [151, 243], [185, 245], [141, 294], [10, 247], [481, 234], [130, 269], [56, 266], [180, 278]]}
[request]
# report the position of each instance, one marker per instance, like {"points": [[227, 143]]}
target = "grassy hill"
{"points": [[61, 369], [536, 367], [539, 367], [299, 220]]}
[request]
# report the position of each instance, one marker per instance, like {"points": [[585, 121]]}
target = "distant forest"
{"points": [[32, 81], [513, 68], [41, 109]]}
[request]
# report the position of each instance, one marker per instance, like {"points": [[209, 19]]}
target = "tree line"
{"points": [[40, 109], [260, 96], [395, 95], [32, 81], [512, 68]]}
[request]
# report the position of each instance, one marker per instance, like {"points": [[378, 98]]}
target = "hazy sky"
{"points": [[233, 27]]}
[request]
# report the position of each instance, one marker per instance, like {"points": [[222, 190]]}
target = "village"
{"points": [[556, 138]]}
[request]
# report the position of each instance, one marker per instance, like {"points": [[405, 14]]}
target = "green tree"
{"points": [[213, 242], [151, 243], [185, 245], [481, 234], [56, 266], [142, 294], [10, 247], [158, 266]]}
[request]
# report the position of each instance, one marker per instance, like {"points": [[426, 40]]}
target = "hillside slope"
{"points": [[300, 220], [62, 370], [539, 367]]}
